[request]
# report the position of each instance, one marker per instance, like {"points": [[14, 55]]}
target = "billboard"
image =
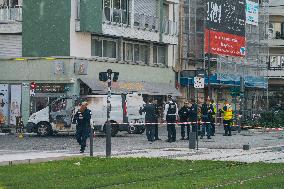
{"points": [[15, 103], [252, 9], [225, 27], [4, 103]]}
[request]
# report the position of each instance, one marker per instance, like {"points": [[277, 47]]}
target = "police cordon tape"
{"points": [[164, 123]]}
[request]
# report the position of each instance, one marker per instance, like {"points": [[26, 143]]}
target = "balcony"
{"points": [[141, 26], [11, 19], [10, 14]]}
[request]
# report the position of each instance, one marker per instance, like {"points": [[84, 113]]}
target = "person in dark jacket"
{"points": [[206, 115], [193, 115], [82, 118], [170, 115], [184, 115], [150, 118]]}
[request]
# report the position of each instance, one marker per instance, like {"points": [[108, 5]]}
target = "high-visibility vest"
{"points": [[215, 110], [228, 114]]}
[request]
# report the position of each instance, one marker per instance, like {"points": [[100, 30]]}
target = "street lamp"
{"points": [[106, 76]]}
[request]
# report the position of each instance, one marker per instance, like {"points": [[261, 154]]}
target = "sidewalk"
{"points": [[274, 154]]}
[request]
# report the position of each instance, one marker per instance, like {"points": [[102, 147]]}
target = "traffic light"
{"points": [[115, 76], [32, 88], [103, 76]]}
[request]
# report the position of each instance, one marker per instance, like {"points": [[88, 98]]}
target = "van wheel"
{"points": [[133, 129], [44, 129]]}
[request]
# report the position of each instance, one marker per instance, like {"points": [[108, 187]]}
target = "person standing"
{"points": [[184, 115], [193, 115], [82, 118], [206, 112], [214, 106], [227, 118], [157, 113], [170, 115], [150, 119]]}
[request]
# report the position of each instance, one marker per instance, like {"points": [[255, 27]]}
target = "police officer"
{"points": [[206, 116], [227, 118], [170, 115], [214, 106], [150, 119], [82, 119], [184, 115]]}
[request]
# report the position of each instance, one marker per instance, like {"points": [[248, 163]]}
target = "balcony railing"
{"points": [[10, 13], [146, 22]]}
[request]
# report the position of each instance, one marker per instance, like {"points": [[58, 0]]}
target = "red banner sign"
{"points": [[224, 44]]}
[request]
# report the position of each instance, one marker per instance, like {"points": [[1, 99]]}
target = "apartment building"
{"points": [[276, 51], [63, 45]]}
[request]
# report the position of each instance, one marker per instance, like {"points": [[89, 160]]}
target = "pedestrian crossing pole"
{"points": [[108, 125]]}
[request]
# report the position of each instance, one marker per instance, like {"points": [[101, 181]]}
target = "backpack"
{"points": [[172, 109]]}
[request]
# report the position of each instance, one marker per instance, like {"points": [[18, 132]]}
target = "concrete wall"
{"points": [[80, 42]]}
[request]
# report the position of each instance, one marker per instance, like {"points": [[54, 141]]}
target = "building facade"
{"points": [[220, 43], [63, 45], [276, 51]]}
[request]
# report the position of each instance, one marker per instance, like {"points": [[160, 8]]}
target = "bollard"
{"points": [[192, 140]]}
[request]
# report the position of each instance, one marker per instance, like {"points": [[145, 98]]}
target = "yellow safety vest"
{"points": [[228, 114]]}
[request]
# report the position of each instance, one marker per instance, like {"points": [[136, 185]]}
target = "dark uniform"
{"points": [[171, 118], [150, 117], [206, 113], [184, 116], [83, 127]]}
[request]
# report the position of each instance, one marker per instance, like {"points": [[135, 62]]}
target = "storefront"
{"points": [[10, 103]]}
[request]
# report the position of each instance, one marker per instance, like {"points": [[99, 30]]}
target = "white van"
{"points": [[57, 117]]}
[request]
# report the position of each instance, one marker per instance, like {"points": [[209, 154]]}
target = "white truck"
{"points": [[57, 117]]}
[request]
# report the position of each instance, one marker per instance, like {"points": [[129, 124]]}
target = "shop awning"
{"points": [[122, 87]]}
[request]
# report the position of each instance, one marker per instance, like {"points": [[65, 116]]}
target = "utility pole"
{"points": [[106, 77], [108, 125]]}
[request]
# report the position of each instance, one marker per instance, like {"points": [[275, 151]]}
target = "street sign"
{"points": [[199, 82]]}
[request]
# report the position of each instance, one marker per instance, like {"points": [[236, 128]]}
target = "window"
{"points": [[159, 54], [116, 11], [102, 47], [109, 49], [128, 52], [136, 52]]}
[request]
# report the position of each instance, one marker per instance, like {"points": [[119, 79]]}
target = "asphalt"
{"points": [[264, 147]]}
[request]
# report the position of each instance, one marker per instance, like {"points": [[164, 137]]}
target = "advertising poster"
{"points": [[4, 104], [225, 27], [252, 9], [15, 105]]}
